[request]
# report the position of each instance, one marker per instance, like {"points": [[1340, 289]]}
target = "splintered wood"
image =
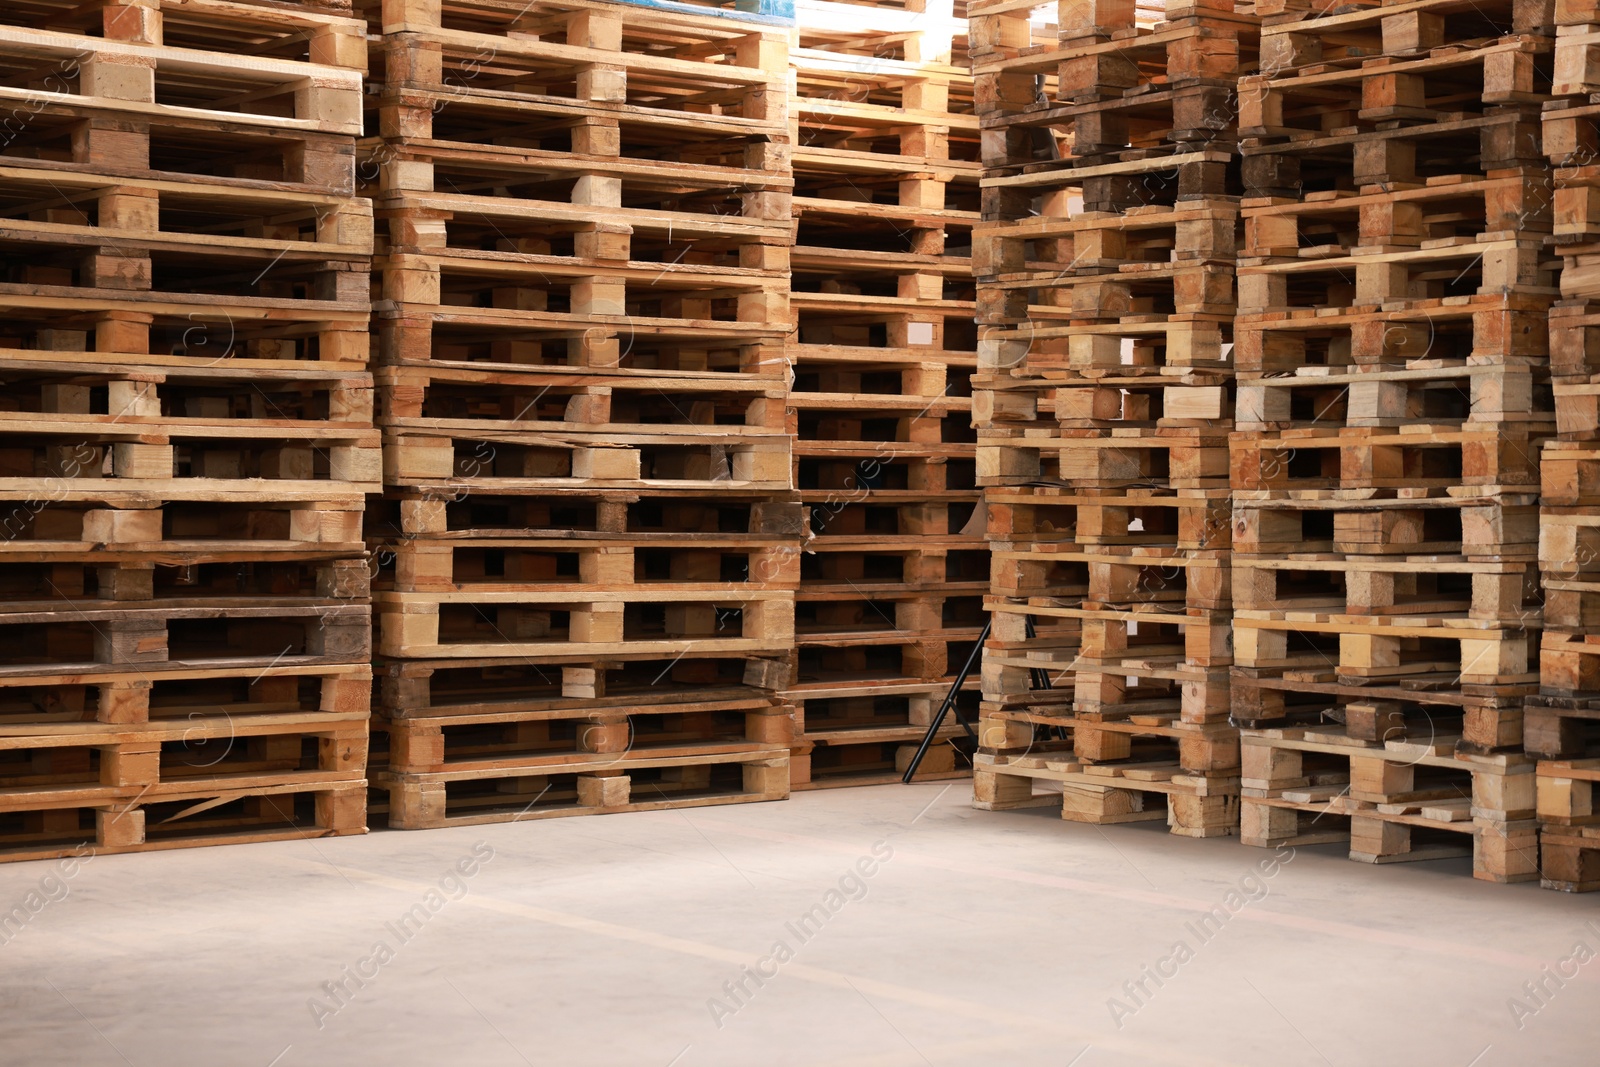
{"points": [[894, 566], [186, 430], [587, 548]]}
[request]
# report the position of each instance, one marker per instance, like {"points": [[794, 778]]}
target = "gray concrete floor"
{"points": [[983, 936]]}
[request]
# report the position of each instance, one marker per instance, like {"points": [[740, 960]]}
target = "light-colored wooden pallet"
{"points": [[507, 740], [190, 815], [176, 690], [1490, 394], [1108, 794], [1170, 457], [1111, 735], [319, 31], [1500, 328], [1394, 795], [93, 635], [592, 624], [1489, 527], [645, 779], [1413, 456]]}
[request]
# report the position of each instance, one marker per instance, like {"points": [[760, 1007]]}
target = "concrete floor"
{"points": [[981, 936]]}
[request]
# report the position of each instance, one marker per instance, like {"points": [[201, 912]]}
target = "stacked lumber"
{"points": [[1392, 399], [587, 547], [1562, 725], [1106, 300], [886, 175], [186, 429]]}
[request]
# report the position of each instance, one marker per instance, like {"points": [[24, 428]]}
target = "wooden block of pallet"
{"points": [[1569, 858]]}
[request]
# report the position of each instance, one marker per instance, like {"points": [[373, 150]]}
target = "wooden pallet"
{"points": [[926, 631], [1169, 457], [1149, 398], [1018, 337], [1462, 82], [1297, 34], [597, 623], [1383, 585], [1102, 795], [1107, 736], [447, 457], [591, 53], [177, 690], [188, 815], [510, 740], [1284, 229], [1099, 640], [95, 521], [316, 31], [1463, 266], [1105, 577], [644, 779], [1135, 291], [1139, 519], [1488, 719], [62, 765], [1111, 53], [1466, 396], [1568, 858], [154, 107], [1413, 456], [872, 706], [438, 690], [1489, 527], [1394, 801], [570, 565], [1404, 155], [1501, 328], [51, 637], [1446, 650]]}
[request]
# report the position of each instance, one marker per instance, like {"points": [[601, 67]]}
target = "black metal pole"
{"points": [[949, 703]]}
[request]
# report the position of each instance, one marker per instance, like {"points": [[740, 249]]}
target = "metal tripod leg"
{"points": [[948, 705]]}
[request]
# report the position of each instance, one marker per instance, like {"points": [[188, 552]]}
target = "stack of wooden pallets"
{"points": [[1560, 724], [587, 547], [1106, 300], [894, 567], [1393, 395], [186, 426]]}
